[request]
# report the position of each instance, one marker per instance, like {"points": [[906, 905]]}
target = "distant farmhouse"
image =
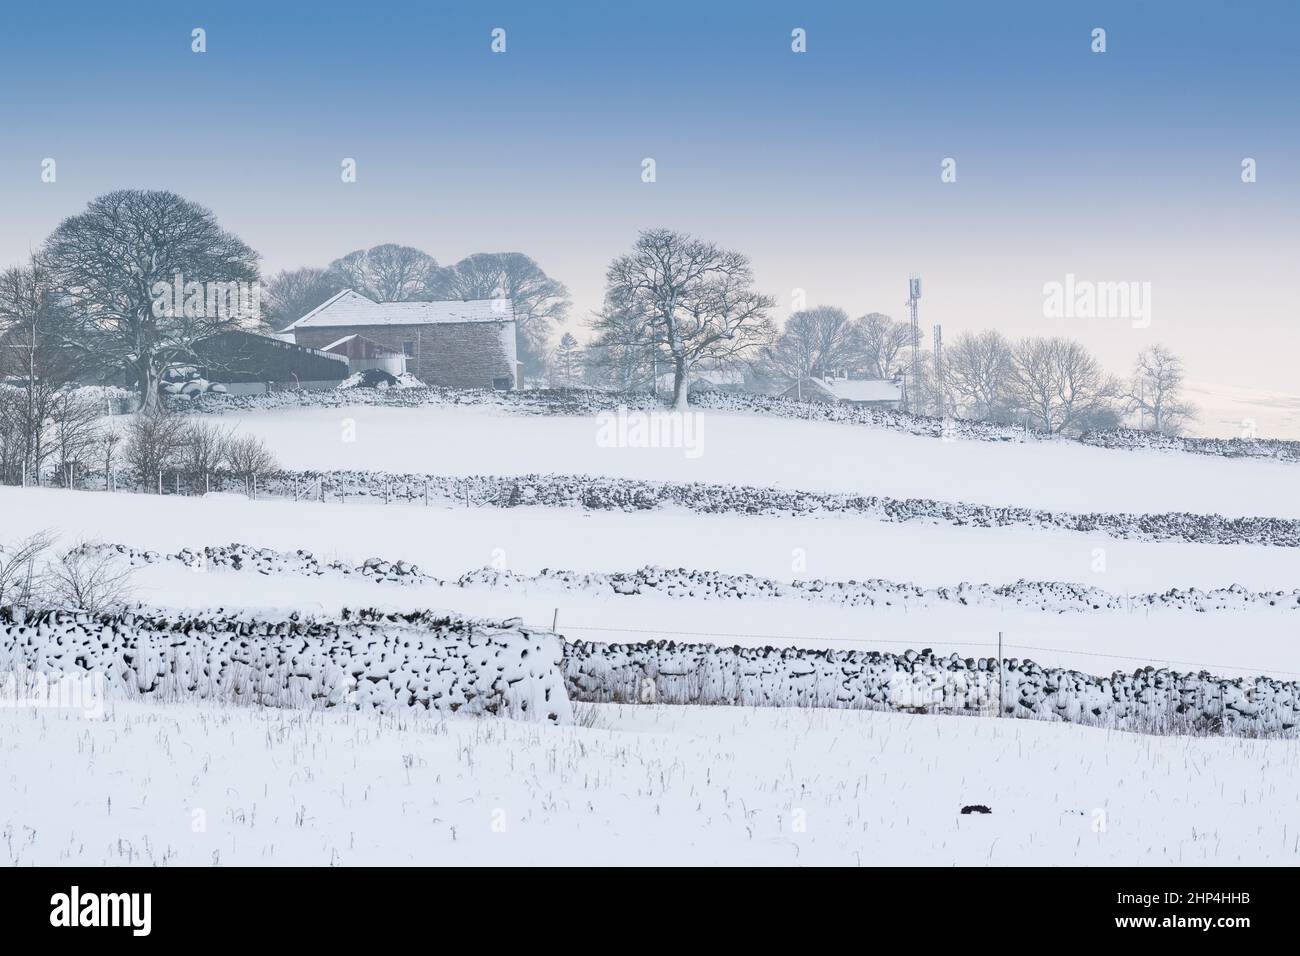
{"points": [[465, 344], [869, 392], [705, 378]]}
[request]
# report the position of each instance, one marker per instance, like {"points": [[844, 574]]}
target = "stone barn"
{"points": [[458, 343]]}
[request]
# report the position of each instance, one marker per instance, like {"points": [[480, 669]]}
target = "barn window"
{"points": [[408, 348]]}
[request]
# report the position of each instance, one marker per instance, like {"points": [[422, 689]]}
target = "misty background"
{"points": [[822, 167]]}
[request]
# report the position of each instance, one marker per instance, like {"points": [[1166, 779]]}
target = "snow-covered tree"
{"points": [[1061, 386], [883, 342], [39, 417], [621, 356], [686, 300], [105, 263], [980, 373], [817, 341], [568, 362], [1155, 392]]}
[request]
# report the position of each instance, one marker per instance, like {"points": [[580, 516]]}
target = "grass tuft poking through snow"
{"points": [[212, 784]]}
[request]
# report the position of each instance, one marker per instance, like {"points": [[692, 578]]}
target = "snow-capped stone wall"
{"points": [[629, 494], [1054, 596], [268, 561], [423, 660], [1132, 439], [1150, 699], [565, 401], [363, 659]]}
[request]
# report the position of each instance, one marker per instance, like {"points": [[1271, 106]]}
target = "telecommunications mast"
{"points": [[913, 297]]}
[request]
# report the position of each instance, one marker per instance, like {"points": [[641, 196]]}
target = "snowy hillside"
{"points": [[1153, 616], [749, 449], [448, 542]]}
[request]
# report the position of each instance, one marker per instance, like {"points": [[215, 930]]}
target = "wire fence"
{"points": [[994, 645], [1150, 699]]}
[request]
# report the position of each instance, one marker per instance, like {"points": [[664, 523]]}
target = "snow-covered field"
{"points": [[662, 784], [189, 784], [447, 542], [749, 449]]}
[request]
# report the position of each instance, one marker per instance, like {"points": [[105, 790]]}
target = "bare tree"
{"points": [[539, 301], [816, 341], [21, 568], [248, 457], [292, 293], [883, 341], [107, 444], [154, 442], [89, 577], [205, 448], [32, 358], [110, 265], [389, 273], [690, 300], [1155, 392], [1061, 386], [622, 355], [75, 428], [13, 435], [980, 372]]}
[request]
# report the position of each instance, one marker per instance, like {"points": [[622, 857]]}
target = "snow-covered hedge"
{"points": [[363, 659], [1147, 699], [565, 401]]}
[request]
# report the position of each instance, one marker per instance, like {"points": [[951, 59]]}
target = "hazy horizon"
{"points": [[823, 167]]}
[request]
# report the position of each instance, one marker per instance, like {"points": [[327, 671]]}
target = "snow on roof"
{"points": [[864, 390], [358, 337], [337, 342], [352, 308]]}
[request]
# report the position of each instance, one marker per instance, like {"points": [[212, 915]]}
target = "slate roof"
{"points": [[353, 308]]}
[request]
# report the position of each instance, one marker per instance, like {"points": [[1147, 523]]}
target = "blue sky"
{"points": [[823, 166]]}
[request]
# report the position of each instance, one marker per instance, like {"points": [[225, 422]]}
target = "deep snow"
{"points": [[680, 784], [203, 785]]}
